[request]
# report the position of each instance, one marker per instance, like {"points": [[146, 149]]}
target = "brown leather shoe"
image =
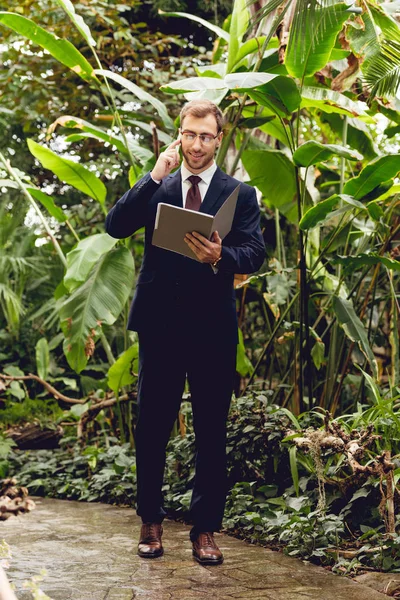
{"points": [[150, 545], [205, 550]]}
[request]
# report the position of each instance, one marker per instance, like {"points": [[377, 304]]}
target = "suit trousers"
{"points": [[179, 349]]}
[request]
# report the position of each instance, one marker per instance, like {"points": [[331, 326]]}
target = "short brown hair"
{"points": [[202, 108]]}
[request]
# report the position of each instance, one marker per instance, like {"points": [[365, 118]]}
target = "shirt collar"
{"points": [[206, 175]]}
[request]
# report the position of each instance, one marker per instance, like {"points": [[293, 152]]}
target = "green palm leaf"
{"points": [[382, 74]]}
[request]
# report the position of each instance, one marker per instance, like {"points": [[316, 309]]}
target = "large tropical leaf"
{"points": [[312, 152], [233, 81], [218, 70], [214, 28], [70, 172], [84, 256], [192, 84], [321, 212], [97, 302], [139, 93], [376, 172], [333, 102], [281, 95], [311, 52], [124, 370], [247, 81], [60, 49], [250, 46], [239, 24], [363, 40], [78, 21], [274, 175], [277, 130], [354, 329]]}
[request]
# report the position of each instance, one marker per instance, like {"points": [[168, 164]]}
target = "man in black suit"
{"points": [[185, 314]]}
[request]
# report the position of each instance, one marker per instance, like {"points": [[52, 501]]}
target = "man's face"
{"points": [[198, 156]]}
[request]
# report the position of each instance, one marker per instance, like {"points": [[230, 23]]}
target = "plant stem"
{"points": [[36, 208], [270, 341]]}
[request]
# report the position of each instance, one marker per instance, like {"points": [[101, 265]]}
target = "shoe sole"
{"points": [[148, 555], [208, 561]]}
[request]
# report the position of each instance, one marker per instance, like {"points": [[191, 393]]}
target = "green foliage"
{"points": [[27, 410], [70, 172], [281, 95], [6, 445], [82, 259], [62, 50], [307, 140], [98, 300], [311, 53], [312, 152], [263, 505], [125, 369]]}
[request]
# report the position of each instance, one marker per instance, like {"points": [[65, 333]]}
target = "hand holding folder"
{"points": [[173, 223]]}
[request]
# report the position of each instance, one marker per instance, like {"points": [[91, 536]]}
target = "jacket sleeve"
{"points": [[129, 213], [243, 250]]}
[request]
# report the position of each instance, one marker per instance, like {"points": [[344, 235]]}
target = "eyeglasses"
{"points": [[205, 138]]}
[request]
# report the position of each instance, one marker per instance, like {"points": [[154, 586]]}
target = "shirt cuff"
{"points": [[155, 180]]}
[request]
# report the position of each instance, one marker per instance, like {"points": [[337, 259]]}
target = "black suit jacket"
{"points": [[168, 282]]}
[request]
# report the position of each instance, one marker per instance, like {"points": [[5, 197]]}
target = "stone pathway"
{"points": [[89, 552]]}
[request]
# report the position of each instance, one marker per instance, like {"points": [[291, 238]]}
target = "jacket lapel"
{"points": [[214, 193], [174, 188]]}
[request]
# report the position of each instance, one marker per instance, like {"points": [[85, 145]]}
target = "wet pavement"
{"points": [[89, 552]]}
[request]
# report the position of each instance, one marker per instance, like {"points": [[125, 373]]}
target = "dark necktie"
{"points": [[193, 198]]}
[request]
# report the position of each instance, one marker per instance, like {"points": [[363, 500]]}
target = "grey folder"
{"points": [[174, 222]]}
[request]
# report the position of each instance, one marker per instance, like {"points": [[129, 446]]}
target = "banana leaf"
{"points": [[97, 302]]}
